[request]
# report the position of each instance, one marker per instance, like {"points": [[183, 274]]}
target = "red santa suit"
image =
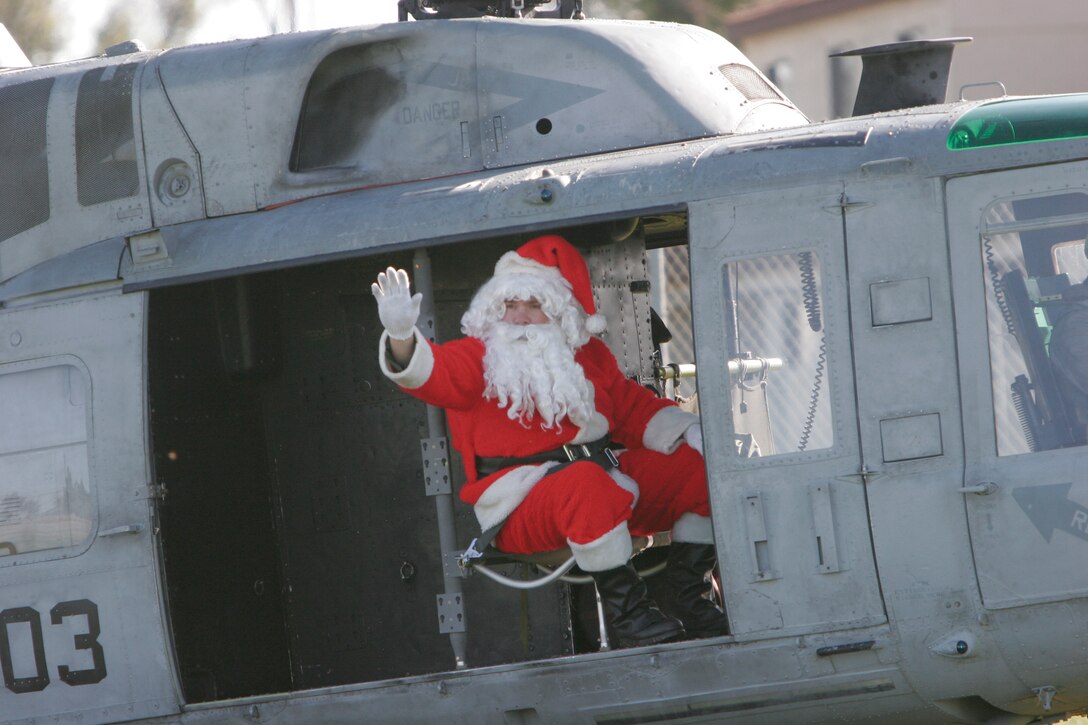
{"points": [[660, 483]]}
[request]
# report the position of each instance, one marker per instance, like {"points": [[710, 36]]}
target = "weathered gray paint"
{"points": [[908, 542], [103, 338]]}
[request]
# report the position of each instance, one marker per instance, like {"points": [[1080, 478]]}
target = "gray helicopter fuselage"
{"points": [[213, 510]]}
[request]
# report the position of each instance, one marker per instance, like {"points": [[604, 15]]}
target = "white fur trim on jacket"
{"points": [[597, 427], [665, 431], [693, 529], [507, 492], [419, 368], [607, 552], [514, 263], [626, 483]]}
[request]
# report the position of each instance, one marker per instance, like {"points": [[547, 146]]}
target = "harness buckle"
{"points": [[576, 452]]}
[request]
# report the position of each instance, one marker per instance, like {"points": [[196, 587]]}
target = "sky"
{"points": [[222, 20]]}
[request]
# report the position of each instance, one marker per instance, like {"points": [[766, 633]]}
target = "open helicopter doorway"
{"points": [[300, 544]]}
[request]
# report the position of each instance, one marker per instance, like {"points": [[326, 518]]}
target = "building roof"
{"points": [[767, 15]]}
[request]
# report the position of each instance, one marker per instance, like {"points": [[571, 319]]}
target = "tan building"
{"points": [[1030, 47]]}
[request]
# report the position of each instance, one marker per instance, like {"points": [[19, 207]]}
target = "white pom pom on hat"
{"points": [[553, 255]]}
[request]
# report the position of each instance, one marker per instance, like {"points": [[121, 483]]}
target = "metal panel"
{"points": [[585, 88], [172, 166], [915, 509], [620, 290], [899, 301], [1027, 529], [772, 580], [70, 623], [910, 437], [71, 224]]}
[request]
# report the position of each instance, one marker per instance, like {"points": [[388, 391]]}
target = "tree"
{"points": [[33, 24], [176, 19], [117, 27]]}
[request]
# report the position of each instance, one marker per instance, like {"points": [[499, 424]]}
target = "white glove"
{"points": [[398, 309], [693, 436]]}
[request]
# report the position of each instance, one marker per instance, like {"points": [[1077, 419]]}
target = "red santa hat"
{"points": [[552, 257]]}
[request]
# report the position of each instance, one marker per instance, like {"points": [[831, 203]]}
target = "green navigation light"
{"points": [[1018, 121]]}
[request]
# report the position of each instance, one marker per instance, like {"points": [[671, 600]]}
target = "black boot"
{"points": [[686, 572], [633, 620]]}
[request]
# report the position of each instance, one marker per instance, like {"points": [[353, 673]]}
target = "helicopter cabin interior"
{"points": [[300, 543], [300, 546]]}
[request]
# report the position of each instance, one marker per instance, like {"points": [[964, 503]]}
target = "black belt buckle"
{"points": [[611, 457]]}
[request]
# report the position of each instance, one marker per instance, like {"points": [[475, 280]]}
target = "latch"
{"points": [[148, 248]]}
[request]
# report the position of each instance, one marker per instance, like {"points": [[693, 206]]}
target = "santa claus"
{"points": [[560, 448]]}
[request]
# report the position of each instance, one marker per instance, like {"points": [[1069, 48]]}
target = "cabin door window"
{"points": [[1034, 267], [1017, 241], [777, 355], [46, 501]]}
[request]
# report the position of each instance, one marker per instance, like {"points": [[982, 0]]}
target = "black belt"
{"points": [[598, 451]]}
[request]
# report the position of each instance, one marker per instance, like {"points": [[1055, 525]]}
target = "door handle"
{"points": [[118, 530], [982, 489]]}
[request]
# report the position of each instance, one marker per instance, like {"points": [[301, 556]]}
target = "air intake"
{"points": [[903, 75], [750, 83]]}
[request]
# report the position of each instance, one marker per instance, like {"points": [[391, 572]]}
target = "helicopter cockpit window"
{"points": [[105, 142], [1037, 321], [45, 496], [777, 356], [24, 191]]}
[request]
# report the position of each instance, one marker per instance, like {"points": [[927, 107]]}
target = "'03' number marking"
{"points": [[85, 641]]}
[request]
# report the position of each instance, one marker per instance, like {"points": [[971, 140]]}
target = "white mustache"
{"points": [[535, 336]]}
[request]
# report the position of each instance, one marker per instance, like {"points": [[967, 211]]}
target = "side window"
{"points": [[105, 140], [24, 186], [1037, 321], [45, 494], [777, 355]]}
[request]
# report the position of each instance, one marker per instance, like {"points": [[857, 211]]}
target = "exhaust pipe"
{"points": [[903, 75]]}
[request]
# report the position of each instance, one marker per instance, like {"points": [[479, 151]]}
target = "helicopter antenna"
{"points": [[447, 9]]}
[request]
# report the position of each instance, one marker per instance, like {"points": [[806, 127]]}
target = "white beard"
{"points": [[531, 370]]}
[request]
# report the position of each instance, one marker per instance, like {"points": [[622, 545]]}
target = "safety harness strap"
{"points": [[598, 452]]}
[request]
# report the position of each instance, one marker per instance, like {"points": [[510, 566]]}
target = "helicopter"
{"points": [[214, 507]]}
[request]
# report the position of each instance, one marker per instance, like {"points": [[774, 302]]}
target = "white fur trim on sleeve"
{"points": [[665, 431], [604, 553], [506, 492], [419, 368], [693, 529]]}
